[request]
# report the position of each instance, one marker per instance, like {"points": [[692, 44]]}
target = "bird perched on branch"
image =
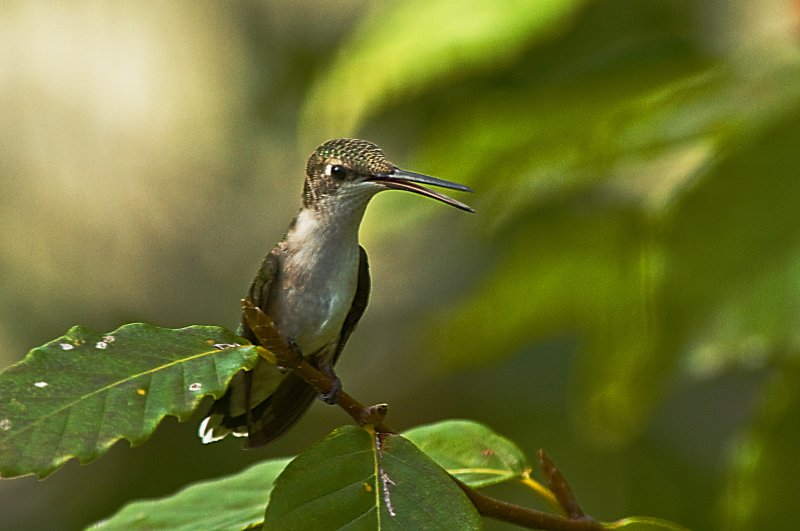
{"points": [[314, 284]]}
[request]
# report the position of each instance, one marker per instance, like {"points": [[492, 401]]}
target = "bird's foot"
{"points": [[332, 396], [294, 354]]}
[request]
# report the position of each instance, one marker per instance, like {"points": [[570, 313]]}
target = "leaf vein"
{"points": [[114, 384]]}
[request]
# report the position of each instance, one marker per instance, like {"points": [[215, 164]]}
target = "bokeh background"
{"points": [[627, 295]]}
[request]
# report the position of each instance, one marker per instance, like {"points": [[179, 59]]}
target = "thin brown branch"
{"points": [[523, 516], [558, 485], [286, 356]]}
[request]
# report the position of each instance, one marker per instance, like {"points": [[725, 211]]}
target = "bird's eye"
{"points": [[337, 171]]}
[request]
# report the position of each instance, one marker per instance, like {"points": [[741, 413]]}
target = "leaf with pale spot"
{"points": [[77, 395]]}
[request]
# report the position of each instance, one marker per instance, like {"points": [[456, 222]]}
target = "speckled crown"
{"points": [[361, 155]]}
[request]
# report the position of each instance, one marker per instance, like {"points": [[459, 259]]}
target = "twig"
{"points": [[558, 485], [530, 518], [285, 356]]}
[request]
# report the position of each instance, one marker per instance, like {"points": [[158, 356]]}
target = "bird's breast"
{"points": [[314, 294]]}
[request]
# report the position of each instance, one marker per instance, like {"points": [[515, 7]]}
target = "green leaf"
{"points": [[355, 480], [235, 502], [77, 395], [403, 48], [470, 451], [644, 523]]}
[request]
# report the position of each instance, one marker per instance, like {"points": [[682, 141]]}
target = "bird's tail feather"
{"points": [[278, 400]]}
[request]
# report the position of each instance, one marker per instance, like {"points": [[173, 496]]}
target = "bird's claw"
{"points": [[294, 353], [332, 396]]}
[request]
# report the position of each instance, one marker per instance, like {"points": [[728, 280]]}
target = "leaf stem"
{"points": [[543, 492]]}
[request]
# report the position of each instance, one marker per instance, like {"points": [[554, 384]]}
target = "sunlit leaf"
{"points": [[78, 394], [644, 523], [470, 451], [641, 143], [404, 48], [231, 503], [348, 481]]}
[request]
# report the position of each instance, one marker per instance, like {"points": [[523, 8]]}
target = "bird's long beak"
{"points": [[398, 179]]}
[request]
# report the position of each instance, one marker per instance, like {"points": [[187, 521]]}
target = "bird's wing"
{"points": [[259, 289], [360, 301], [247, 389]]}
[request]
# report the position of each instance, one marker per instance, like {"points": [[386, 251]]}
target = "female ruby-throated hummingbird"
{"points": [[314, 284]]}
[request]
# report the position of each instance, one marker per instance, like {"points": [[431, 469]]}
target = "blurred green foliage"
{"points": [[627, 295], [235, 502]]}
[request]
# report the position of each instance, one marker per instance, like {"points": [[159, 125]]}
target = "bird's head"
{"points": [[348, 169]]}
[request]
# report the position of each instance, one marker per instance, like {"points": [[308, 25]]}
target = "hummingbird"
{"points": [[314, 284]]}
